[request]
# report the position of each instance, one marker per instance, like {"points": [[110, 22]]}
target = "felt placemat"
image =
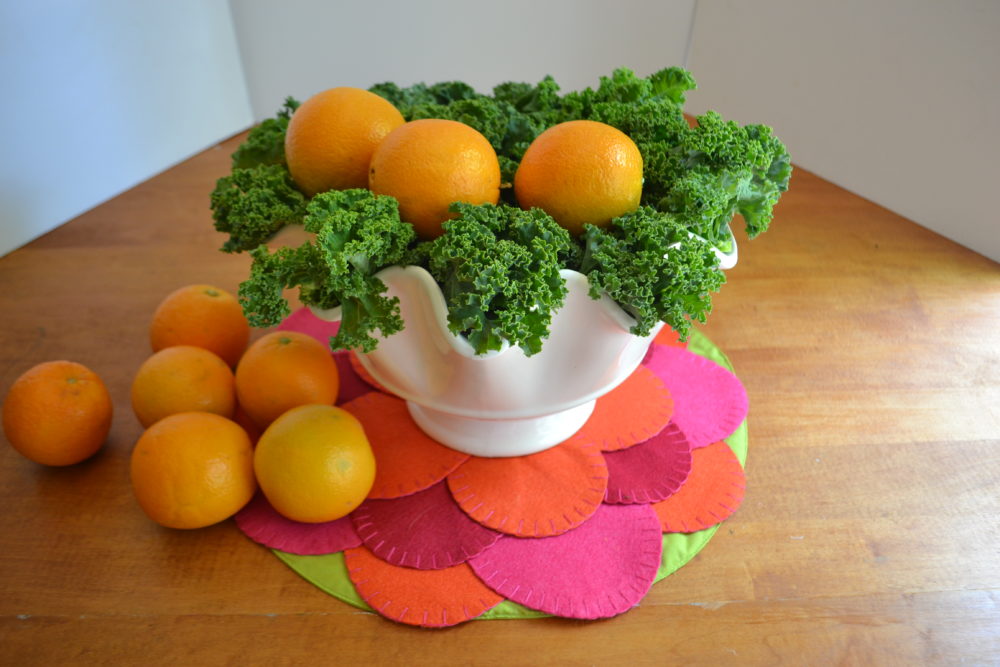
{"points": [[329, 572]]}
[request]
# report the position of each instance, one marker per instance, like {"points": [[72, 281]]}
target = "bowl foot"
{"points": [[500, 437]]}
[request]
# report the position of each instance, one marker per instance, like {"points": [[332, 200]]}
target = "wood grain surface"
{"points": [[870, 348]]}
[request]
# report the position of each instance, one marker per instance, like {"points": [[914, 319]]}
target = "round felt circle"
{"points": [[431, 598], [633, 412], [537, 495], [601, 569], [262, 523], [329, 572], [406, 459], [424, 530], [651, 471]]}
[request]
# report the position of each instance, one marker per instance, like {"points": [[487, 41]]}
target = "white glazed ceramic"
{"points": [[503, 403]]}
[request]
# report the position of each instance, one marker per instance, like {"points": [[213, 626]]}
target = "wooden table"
{"points": [[870, 348]]}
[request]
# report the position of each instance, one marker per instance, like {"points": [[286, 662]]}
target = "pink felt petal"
{"points": [[709, 401], [425, 530], [600, 569], [650, 471], [303, 321], [430, 598], [261, 523]]}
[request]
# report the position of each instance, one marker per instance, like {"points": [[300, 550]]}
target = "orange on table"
{"points": [[192, 469], [182, 378], [429, 164], [57, 413], [283, 370], [314, 463], [203, 316], [331, 137], [580, 171]]}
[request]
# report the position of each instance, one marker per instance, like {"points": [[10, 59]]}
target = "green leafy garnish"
{"points": [[266, 143], [650, 265], [252, 205], [357, 235], [498, 267]]}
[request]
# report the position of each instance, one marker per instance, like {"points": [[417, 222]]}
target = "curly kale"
{"points": [[718, 169], [498, 268], [510, 119], [653, 268], [266, 143], [262, 294], [251, 205], [408, 99], [357, 234]]}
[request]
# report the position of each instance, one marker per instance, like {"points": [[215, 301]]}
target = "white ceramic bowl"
{"points": [[503, 403]]}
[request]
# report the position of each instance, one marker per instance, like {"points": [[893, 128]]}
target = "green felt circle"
{"points": [[329, 573]]}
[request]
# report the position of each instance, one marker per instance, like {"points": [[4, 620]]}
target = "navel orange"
{"points": [[429, 164], [580, 171], [192, 469], [282, 370], [314, 463], [331, 137], [182, 378], [203, 316], [57, 413]]}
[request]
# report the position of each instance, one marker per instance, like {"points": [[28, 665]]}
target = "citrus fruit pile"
{"points": [[577, 171], [221, 419]]}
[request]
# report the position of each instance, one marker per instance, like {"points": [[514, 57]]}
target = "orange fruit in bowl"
{"points": [[314, 463], [182, 378], [283, 370], [203, 316], [580, 171], [57, 413], [192, 469], [331, 137], [429, 164]]}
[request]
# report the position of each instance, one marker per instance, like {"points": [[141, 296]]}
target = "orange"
{"points": [[203, 316], [57, 413], [314, 463], [429, 164], [282, 370], [580, 172], [331, 137], [192, 469], [182, 378]]}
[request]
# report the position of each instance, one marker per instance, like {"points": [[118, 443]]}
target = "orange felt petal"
{"points": [[712, 492], [431, 598], [537, 495], [364, 374], [633, 412], [668, 336], [406, 459]]}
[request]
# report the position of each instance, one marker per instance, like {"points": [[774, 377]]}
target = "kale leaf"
{"points": [[498, 267], [650, 264]]}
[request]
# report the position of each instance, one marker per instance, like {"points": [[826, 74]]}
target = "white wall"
{"points": [[300, 47], [896, 100], [100, 95]]}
